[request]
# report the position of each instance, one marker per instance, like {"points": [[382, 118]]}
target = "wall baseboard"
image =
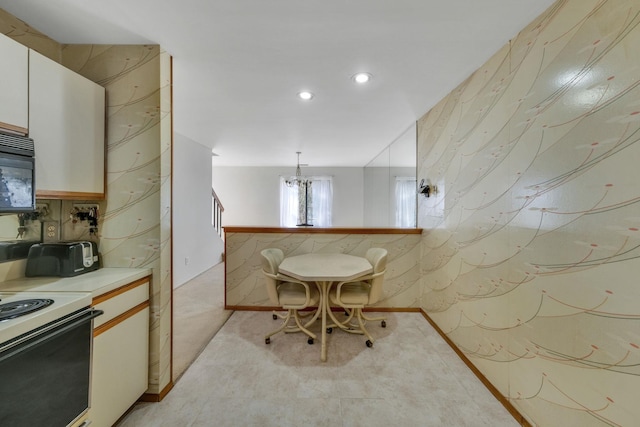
{"points": [[505, 402], [156, 397]]}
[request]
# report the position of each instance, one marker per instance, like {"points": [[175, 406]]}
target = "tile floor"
{"points": [[410, 377]]}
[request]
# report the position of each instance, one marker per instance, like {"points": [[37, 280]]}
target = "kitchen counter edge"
{"points": [[96, 282]]}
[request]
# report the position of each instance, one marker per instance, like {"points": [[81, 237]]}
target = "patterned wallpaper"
{"points": [[245, 284], [135, 228], [530, 254], [531, 249], [136, 217], [28, 36]]}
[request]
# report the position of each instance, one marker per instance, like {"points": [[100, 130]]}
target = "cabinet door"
{"points": [[66, 122], [120, 369], [14, 89]]}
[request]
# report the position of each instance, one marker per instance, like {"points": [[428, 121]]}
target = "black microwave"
{"points": [[17, 174]]}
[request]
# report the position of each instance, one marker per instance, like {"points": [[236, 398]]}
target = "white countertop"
{"points": [[96, 282]]}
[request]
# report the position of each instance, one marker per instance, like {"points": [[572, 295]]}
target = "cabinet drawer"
{"points": [[121, 300]]}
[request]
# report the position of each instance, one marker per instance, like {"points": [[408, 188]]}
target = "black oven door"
{"points": [[45, 374]]}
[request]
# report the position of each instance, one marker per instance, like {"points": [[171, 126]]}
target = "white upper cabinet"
{"points": [[66, 122], [14, 89]]}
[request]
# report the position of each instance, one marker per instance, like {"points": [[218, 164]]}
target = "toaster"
{"points": [[63, 259]]}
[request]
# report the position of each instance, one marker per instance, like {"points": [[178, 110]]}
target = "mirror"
{"points": [[390, 193]]}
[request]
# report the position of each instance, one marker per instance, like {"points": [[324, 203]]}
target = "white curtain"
{"points": [[405, 202], [320, 202], [288, 204]]}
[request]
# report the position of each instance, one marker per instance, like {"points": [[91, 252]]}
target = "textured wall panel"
{"points": [[532, 245], [245, 284]]}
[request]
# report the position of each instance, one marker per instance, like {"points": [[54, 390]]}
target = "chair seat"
{"points": [[351, 294], [361, 292], [293, 294], [290, 294]]}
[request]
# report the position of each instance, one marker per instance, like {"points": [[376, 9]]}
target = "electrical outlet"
{"points": [[50, 231]]}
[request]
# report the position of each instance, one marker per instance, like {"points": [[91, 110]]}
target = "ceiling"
{"points": [[239, 64]]}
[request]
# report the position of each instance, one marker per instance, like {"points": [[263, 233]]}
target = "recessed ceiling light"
{"points": [[362, 77], [305, 95]]}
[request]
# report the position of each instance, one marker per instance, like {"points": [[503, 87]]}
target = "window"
{"points": [[319, 202], [405, 201]]}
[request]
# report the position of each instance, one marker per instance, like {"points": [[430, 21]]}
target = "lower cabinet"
{"points": [[120, 352]]}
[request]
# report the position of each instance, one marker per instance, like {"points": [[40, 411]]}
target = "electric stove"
{"points": [[21, 312]]}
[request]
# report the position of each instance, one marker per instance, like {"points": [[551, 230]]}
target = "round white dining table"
{"points": [[324, 269]]}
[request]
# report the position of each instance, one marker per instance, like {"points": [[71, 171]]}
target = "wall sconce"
{"points": [[426, 189]]}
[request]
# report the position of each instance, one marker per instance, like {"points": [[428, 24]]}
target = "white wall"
{"points": [[194, 238], [251, 195]]}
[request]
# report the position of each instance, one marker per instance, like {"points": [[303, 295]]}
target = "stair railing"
{"points": [[216, 212]]}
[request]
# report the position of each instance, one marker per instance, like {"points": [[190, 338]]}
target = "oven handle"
{"points": [[52, 330]]}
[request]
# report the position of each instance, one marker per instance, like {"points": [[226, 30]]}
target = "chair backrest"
{"points": [[377, 257], [271, 259]]}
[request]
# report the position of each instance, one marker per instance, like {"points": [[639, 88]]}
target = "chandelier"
{"points": [[299, 180], [303, 198]]}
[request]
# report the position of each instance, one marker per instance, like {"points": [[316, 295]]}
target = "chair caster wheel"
{"points": [[369, 343], [267, 341], [383, 324], [310, 341], [275, 317], [329, 330]]}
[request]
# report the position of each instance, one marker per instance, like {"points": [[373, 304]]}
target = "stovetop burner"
{"points": [[11, 310]]}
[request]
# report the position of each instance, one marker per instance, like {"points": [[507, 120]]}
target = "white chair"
{"points": [[354, 296], [288, 293]]}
